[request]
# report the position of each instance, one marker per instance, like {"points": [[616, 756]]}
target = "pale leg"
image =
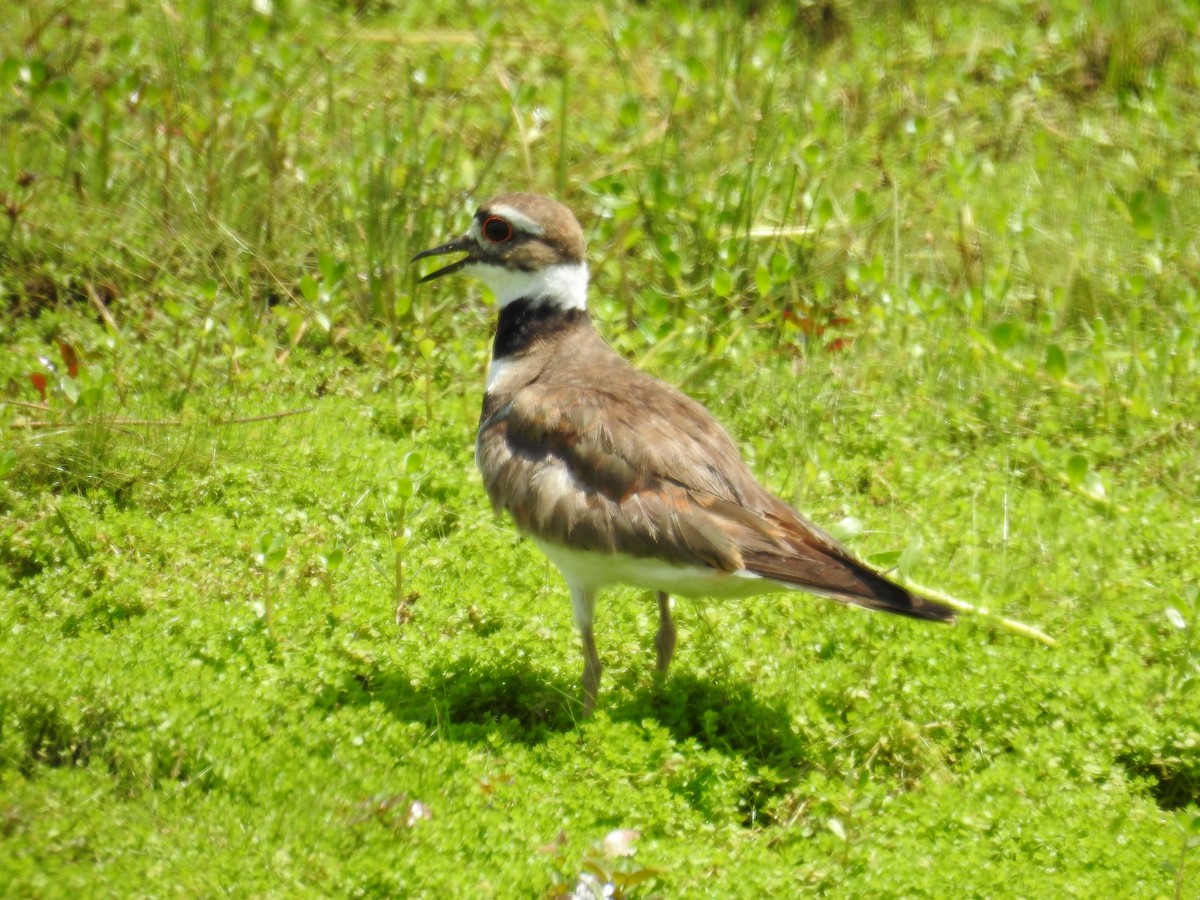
{"points": [[584, 602], [664, 641]]}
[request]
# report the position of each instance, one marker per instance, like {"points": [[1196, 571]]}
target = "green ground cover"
{"points": [[937, 269]]}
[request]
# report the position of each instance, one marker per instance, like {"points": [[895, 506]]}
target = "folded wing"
{"points": [[652, 474]]}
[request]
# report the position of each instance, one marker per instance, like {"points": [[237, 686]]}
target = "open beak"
{"points": [[462, 244]]}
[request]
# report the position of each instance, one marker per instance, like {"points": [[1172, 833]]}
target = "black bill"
{"points": [[458, 245]]}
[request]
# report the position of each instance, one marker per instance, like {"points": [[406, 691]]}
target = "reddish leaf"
{"points": [[39, 383], [838, 344], [70, 357], [811, 327], [806, 323]]}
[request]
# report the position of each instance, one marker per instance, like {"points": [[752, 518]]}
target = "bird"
{"points": [[619, 477]]}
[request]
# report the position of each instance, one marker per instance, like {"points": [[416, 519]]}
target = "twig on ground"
{"points": [[147, 423], [1007, 624]]}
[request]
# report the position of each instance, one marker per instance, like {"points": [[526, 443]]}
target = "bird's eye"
{"points": [[496, 230]]}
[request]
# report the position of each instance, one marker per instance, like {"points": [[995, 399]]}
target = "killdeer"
{"points": [[618, 477]]}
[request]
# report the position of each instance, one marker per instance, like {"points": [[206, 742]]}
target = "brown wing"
{"points": [[636, 467], [568, 469]]}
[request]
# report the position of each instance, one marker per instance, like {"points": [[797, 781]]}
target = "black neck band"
{"points": [[527, 320]]}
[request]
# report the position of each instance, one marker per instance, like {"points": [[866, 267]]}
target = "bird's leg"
{"points": [[591, 670], [584, 602], [664, 641]]}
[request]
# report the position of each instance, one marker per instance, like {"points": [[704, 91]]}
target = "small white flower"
{"points": [[620, 842], [416, 812], [589, 887]]}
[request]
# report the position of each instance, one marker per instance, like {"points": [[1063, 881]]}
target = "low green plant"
{"points": [[1187, 824], [938, 285]]}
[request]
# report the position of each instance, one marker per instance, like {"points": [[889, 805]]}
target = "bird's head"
{"points": [[522, 246]]}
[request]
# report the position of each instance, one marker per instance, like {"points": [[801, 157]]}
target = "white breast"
{"points": [[594, 570]]}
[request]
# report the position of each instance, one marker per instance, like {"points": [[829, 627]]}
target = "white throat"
{"points": [[564, 285]]}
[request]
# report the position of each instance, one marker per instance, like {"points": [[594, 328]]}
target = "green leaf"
{"points": [[296, 323], [268, 551], [874, 270], [823, 212], [673, 264], [1077, 469], [33, 72], [402, 305], [886, 559], [411, 462], [69, 387], [1148, 212], [257, 27], [630, 112], [762, 280], [1039, 447], [332, 271], [208, 288], [722, 283], [400, 540], [781, 267], [404, 487], [332, 558], [863, 210], [1005, 335], [90, 397], [911, 555], [58, 90], [1056, 362], [309, 289], [10, 70]]}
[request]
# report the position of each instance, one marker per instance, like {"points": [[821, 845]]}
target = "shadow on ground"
{"points": [[724, 715], [471, 696]]}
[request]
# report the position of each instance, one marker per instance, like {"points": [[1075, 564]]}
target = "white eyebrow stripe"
{"points": [[517, 219]]}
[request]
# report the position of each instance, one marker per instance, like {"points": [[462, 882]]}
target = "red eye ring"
{"points": [[496, 229]]}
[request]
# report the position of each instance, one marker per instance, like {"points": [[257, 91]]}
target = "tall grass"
{"points": [[815, 174], [197, 136]]}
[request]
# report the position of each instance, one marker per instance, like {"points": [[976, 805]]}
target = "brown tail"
{"points": [[843, 578]]}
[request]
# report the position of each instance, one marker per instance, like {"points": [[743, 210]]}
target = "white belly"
{"points": [[591, 570]]}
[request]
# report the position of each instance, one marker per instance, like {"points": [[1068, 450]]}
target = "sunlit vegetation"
{"points": [[937, 266]]}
